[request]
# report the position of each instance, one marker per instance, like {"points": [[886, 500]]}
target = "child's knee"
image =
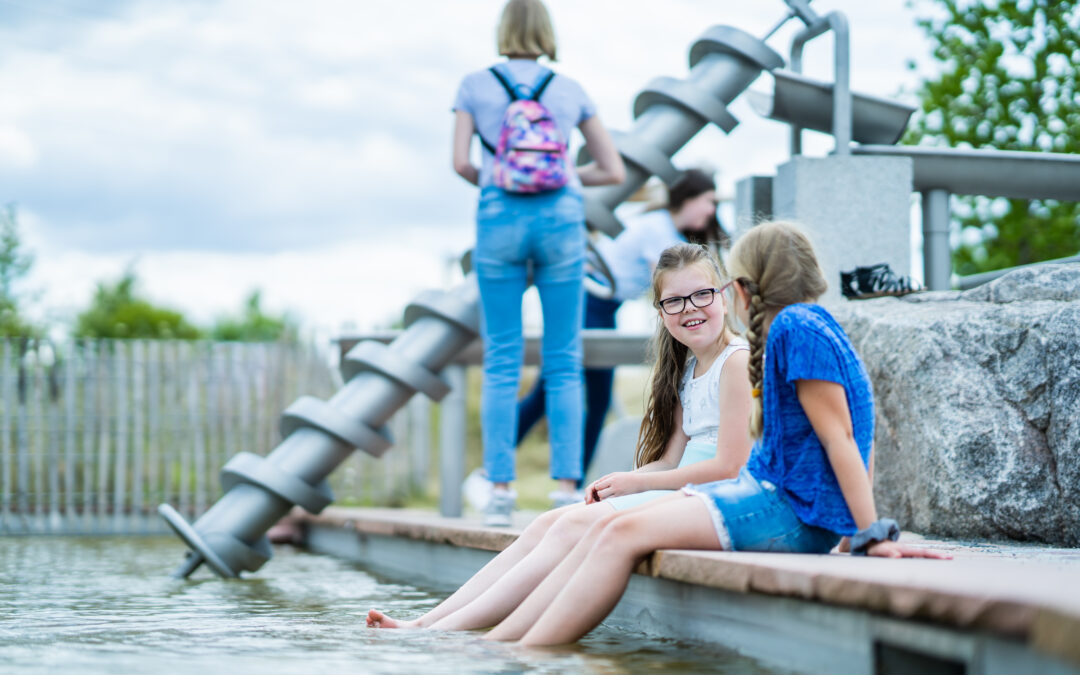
{"points": [[618, 529], [572, 525], [540, 526]]}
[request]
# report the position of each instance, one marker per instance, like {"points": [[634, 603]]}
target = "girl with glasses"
{"points": [[694, 431], [689, 215]]}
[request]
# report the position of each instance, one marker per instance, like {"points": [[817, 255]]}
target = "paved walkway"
{"points": [[1027, 592]]}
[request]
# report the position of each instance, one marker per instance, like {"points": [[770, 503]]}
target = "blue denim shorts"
{"points": [[752, 515]]}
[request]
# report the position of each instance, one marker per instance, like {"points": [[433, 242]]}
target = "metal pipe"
{"points": [[937, 254], [842, 105], [990, 172], [452, 444]]}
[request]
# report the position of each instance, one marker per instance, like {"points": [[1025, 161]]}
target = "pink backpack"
{"points": [[530, 156]]}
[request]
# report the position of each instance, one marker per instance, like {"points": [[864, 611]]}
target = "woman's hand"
{"points": [[617, 484], [894, 549]]}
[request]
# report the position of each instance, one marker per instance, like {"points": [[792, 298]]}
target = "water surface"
{"points": [[107, 605]]}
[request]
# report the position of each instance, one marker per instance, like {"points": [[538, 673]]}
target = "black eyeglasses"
{"points": [[699, 299]]}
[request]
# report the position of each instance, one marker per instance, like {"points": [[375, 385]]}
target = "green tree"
{"points": [[253, 324], [15, 264], [117, 311], [1008, 80]]}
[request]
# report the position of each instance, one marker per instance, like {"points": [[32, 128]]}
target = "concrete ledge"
{"points": [[1019, 600]]}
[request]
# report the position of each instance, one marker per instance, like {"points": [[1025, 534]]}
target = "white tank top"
{"points": [[700, 396]]}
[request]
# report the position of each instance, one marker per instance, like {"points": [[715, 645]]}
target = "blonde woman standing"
{"points": [[531, 212]]}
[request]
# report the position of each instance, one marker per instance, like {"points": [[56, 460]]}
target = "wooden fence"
{"points": [[95, 434]]}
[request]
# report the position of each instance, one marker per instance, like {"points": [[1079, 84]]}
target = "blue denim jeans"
{"points": [[548, 231], [752, 515], [599, 313]]}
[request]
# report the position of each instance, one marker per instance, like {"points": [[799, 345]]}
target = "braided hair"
{"points": [[776, 267]]}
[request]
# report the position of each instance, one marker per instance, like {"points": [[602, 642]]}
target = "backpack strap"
{"points": [[542, 86], [505, 83]]}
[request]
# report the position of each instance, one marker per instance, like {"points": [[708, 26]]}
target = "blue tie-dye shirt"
{"points": [[806, 343]]}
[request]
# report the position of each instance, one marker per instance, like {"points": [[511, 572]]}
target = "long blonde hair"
{"points": [[525, 30], [669, 356], [776, 266]]}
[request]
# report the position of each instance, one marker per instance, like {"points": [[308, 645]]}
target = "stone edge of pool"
{"points": [[1026, 594]]}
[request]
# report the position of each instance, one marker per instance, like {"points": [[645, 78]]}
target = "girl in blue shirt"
{"points": [[807, 483]]}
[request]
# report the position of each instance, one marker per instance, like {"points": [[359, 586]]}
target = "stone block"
{"points": [[854, 208]]}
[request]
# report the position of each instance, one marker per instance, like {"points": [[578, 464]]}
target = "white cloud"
{"points": [[239, 143]]}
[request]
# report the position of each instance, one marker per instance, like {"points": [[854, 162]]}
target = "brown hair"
{"points": [[525, 30], [692, 183], [776, 266], [669, 356]]}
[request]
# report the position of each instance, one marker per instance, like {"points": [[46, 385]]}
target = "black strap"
{"points": [[505, 83], [542, 86]]}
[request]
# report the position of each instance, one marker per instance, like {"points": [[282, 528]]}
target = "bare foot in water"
{"points": [[376, 619]]}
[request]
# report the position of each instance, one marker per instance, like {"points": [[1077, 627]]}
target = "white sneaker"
{"points": [[477, 489], [561, 498], [500, 509]]}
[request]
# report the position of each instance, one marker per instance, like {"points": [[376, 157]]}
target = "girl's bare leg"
{"points": [[483, 579], [505, 594], [595, 587], [521, 620]]}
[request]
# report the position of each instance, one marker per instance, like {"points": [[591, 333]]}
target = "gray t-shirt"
{"points": [[481, 95]]}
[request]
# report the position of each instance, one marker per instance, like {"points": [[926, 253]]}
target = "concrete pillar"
{"points": [[753, 202], [854, 208]]}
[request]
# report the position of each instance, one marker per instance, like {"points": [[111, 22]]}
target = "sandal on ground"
{"points": [[875, 281]]}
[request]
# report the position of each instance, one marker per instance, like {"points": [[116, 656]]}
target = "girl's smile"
{"points": [[699, 328]]}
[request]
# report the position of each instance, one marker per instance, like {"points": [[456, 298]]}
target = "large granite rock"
{"points": [[978, 406]]}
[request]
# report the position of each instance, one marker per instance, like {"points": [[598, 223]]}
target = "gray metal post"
{"points": [[318, 435], [452, 443], [937, 254], [842, 105]]}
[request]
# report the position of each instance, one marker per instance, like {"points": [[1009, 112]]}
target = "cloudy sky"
{"points": [[303, 147]]}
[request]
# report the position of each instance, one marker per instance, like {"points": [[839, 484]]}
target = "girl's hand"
{"points": [[618, 484], [590, 493], [894, 549]]}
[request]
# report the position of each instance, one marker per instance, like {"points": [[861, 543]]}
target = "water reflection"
{"points": [[103, 605]]}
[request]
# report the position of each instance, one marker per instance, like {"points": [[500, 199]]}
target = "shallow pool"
{"points": [[106, 605]]}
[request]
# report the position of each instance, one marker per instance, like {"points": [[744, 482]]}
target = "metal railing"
{"points": [[602, 349], [939, 173]]}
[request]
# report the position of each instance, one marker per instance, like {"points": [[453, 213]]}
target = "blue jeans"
{"points": [[752, 515], [599, 313], [547, 230]]}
